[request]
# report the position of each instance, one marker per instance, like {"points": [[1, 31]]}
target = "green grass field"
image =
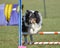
{"points": [[9, 34]]}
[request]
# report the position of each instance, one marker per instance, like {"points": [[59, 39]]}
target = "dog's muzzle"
{"points": [[32, 20]]}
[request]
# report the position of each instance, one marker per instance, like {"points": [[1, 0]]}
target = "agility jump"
{"points": [[45, 43]]}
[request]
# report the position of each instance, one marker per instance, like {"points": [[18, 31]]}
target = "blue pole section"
{"points": [[20, 23]]}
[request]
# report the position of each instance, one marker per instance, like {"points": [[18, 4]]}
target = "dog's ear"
{"points": [[27, 10], [36, 12], [37, 16]]}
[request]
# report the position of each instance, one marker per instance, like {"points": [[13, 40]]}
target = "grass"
{"points": [[9, 34], [8, 1], [8, 37]]}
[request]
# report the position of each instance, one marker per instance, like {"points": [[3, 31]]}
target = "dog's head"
{"points": [[32, 17]]}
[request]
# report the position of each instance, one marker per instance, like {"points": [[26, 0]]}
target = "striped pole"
{"points": [[45, 43], [55, 33], [43, 33]]}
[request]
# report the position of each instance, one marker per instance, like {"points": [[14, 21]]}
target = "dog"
{"points": [[32, 22]]}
